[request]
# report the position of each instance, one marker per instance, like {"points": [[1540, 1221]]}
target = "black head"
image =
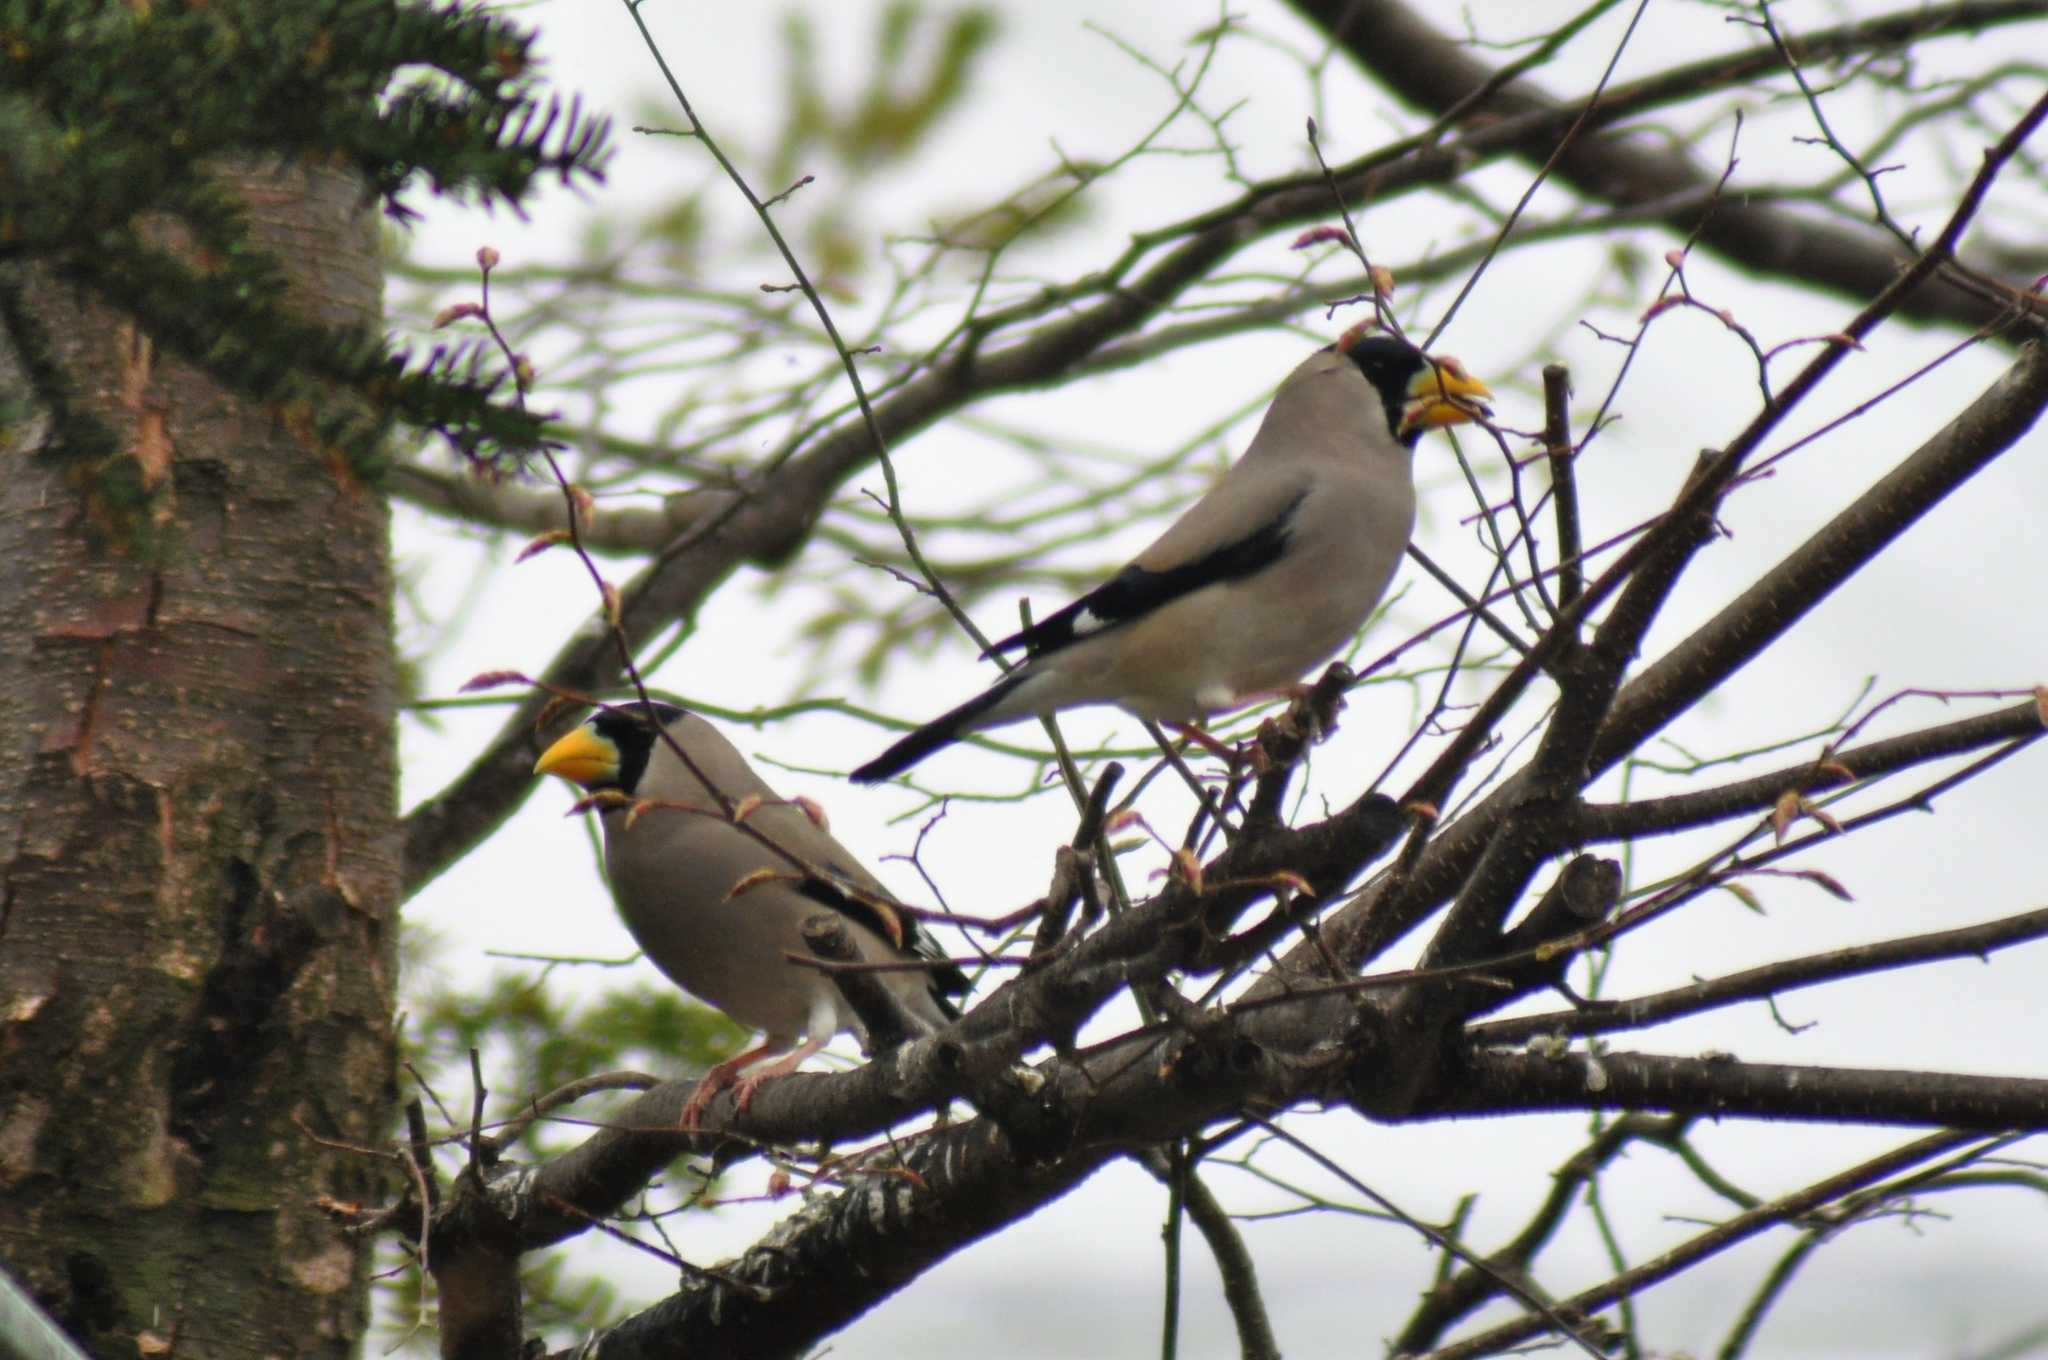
{"points": [[626, 728], [1391, 365]]}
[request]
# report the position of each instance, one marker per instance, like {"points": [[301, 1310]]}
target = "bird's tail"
{"points": [[940, 731]]}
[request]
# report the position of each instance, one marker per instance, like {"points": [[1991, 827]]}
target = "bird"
{"points": [[1271, 572], [716, 893]]}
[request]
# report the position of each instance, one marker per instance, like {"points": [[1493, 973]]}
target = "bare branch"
{"points": [[1461, 1294], [1255, 1339], [1494, 1082], [470, 499], [1991, 425], [1964, 942], [1735, 1230], [1557, 448], [1683, 811], [1435, 72], [1965, 446]]}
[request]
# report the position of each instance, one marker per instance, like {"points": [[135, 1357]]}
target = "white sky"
{"points": [[1950, 607]]}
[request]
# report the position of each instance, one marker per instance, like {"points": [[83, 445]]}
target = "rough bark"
{"points": [[198, 853]]}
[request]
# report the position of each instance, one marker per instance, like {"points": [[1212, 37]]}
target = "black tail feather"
{"points": [[940, 731]]}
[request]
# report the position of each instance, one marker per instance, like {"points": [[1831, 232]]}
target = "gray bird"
{"points": [[1270, 573], [675, 856]]}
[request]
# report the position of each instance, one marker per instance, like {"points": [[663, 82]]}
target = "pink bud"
{"points": [[1316, 236]]}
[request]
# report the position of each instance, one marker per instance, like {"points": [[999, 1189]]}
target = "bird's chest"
{"points": [[674, 891]]}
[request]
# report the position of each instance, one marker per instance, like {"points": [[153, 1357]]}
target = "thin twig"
{"points": [[1564, 486], [758, 1292], [803, 282], [1508, 1284], [1564, 144], [1735, 1230]]}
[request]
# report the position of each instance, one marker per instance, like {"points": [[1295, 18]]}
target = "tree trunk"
{"points": [[198, 833]]}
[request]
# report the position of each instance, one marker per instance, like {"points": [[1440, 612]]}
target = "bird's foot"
{"points": [[1310, 717], [744, 1089], [720, 1076], [1230, 755], [714, 1081]]}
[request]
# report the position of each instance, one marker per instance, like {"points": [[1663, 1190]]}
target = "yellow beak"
{"points": [[581, 757], [1443, 393]]}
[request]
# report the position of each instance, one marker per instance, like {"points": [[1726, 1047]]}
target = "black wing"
{"points": [[1135, 592], [946, 982]]}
